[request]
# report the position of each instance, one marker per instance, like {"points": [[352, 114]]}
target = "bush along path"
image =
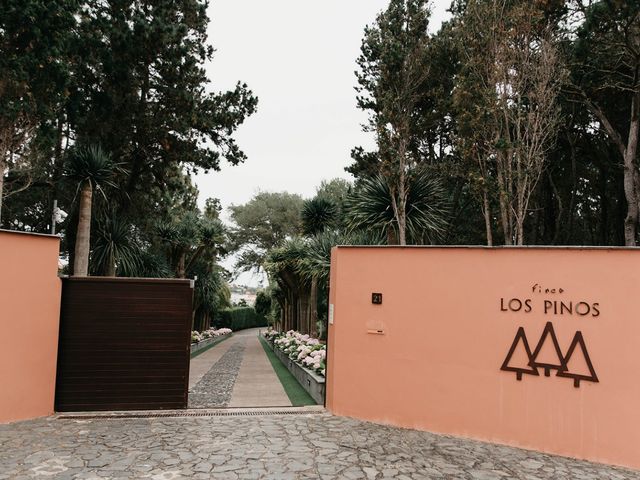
{"points": [[236, 373]]}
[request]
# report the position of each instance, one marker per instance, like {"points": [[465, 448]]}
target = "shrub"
{"points": [[239, 318], [306, 351]]}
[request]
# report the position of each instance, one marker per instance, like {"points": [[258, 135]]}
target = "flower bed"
{"points": [[304, 350], [197, 337], [304, 356], [207, 338]]}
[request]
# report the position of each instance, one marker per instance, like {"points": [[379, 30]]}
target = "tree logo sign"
{"points": [[524, 358], [547, 356]]}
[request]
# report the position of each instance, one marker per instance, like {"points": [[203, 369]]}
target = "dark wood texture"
{"points": [[124, 344]]}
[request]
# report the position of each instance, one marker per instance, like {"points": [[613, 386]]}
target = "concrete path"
{"points": [[203, 362], [278, 447], [235, 373], [257, 384]]}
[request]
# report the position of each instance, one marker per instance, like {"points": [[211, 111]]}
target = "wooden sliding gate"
{"points": [[124, 344]]}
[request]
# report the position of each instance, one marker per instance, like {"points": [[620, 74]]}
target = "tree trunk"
{"points": [[631, 175], [181, 271], [486, 210], [303, 312], [520, 230], [628, 152], [81, 258], [3, 166], [313, 300], [111, 267], [504, 200]]}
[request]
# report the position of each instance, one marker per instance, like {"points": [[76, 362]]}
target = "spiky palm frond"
{"points": [[150, 265], [316, 261], [212, 232], [370, 207], [288, 255], [90, 164], [427, 209], [311, 257], [318, 215], [115, 246]]}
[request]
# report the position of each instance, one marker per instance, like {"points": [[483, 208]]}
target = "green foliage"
{"points": [[334, 191], [265, 222], [90, 164], [115, 248], [263, 303], [239, 318], [35, 41], [370, 208], [318, 214]]}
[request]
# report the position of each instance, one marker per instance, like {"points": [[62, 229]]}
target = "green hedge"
{"points": [[239, 318]]}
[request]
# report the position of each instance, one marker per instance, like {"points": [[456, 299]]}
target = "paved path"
{"points": [[257, 384], [235, 373], [203, 362], [269, 447]]}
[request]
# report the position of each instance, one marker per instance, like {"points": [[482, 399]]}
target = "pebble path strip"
{"points": [[215, 388], [277, 447]]}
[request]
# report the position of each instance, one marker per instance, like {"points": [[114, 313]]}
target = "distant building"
{"points": [[249, 298]]}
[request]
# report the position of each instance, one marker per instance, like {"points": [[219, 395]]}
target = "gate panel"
{"points": [[124, 344]]}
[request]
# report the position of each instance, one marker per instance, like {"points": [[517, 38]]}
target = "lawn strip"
{"points": [[297, 395]]}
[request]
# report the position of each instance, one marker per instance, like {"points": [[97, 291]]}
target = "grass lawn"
{"points": [[297, 395]]}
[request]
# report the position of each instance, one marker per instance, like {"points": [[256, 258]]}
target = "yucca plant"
{"points": [[370, 208], [115, 247], [90, 168], [318, 215]]}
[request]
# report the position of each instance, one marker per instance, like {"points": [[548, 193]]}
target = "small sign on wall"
{"points": [[331, 314]]}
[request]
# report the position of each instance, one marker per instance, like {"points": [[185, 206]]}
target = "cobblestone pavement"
{"points": [[216, 386], [271, 447]]}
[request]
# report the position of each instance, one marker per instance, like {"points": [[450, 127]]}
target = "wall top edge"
{"points": [[180, 281], [31, 234], [484, 247]]}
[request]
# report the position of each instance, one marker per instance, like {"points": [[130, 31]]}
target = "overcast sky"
{"points": [[298, 57]]}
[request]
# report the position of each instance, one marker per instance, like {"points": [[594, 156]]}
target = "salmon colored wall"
{"points": [[29, 318], [437, 365]]}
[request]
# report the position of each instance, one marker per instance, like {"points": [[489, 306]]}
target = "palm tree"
{"points": [[116, 248], [370, 208], [90, 167], [188, 238], [318, 215]]}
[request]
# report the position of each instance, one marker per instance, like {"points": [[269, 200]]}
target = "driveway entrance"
{"points": [[235, 373]]}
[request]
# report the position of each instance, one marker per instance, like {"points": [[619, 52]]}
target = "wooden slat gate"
{"points": [[124, 344]]}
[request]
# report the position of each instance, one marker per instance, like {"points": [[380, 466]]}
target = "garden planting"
{"points": [[197, 337], [306, 351], [201, 341], [304, 356]]}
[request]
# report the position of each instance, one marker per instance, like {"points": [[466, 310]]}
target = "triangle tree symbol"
{"points": [[548, 332], [519, 340], [578, 341]]}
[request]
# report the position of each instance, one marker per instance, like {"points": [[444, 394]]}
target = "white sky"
{"points": [[298, 57]]}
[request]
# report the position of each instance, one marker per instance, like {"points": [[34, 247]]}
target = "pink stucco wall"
{"points": [[29, 319], [430, 356]]}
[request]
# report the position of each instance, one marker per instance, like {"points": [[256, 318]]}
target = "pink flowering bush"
{"points": [[270, 333], [302, 349], [210, 333]]}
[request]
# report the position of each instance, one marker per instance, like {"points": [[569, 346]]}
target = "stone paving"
{"points": [[215, 388], [280, 447]]}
